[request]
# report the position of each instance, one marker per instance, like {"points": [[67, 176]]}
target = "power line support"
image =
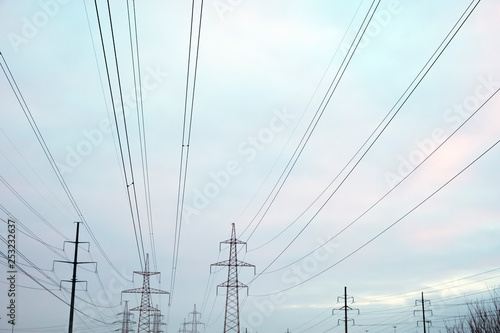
{"points": [[345, 308], [194, 321], [422, 301], [183, 329], [73, 280], [232, 285], [145, 308], [157, 321], [126, 321]]}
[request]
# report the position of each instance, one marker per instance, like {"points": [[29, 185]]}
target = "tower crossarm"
{"points": [[231, 263], [146, 273], [158, 291], [131, 291], [231, 285], [145, 308]]}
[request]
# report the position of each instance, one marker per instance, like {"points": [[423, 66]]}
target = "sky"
{"points": [[388, 183]]}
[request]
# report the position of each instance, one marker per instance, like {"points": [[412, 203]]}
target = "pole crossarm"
{"points": [[345, 309]]}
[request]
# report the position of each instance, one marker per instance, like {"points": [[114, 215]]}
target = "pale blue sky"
{"points": [[259, 83]]}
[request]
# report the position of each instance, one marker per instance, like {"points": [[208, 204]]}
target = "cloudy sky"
{"points": [[375, 169]]}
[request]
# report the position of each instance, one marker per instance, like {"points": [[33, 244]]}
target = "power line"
{"points": [[50, 291], [317, 116], [402, 98], [137, 229], [10, 188], [37, 176], [418, 80], [392, 189], [141, 123], [389, 227], [50, 158], [295, 129], [185, 145]]}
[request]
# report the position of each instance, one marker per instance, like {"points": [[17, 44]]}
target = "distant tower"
{"points": [[145, 308], [194, 321], [126, 321], [183, 328], [157, 323], [232, 317]]}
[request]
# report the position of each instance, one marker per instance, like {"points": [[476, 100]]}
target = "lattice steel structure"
{"points": [[126, 322], [157, 321], [194, 321], [232, 285], [145, 309]]}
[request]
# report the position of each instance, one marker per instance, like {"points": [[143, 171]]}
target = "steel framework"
{"points": [[145, 309], [232, 285]]}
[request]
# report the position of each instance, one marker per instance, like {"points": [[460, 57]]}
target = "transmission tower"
{"points": [[194, 321], [145, 308], [422, 301], [126, 322], [157, 321], [232, 285], [183, 329], [345, 308]]}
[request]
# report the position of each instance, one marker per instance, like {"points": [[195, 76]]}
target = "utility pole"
{"points": [[73, 280], [422, 301], [345, 308], [232, 285]]}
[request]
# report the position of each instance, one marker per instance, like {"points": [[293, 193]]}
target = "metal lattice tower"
{"points": [[145, 308], [126, 321], [194, 321], [232, 285], [157, 321], [183, 329]]}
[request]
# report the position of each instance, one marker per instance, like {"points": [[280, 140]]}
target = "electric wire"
{"points": [[50, 291], [185, 145], [394, 107], [50, 158], [137, 229], [41, 196], [129, 154], [136, 69], [33, 210], [295, 128], [390, 191], [320, 111], [466, 14], [403, 310], [389, 227], [31, 234], [36, 175]]}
